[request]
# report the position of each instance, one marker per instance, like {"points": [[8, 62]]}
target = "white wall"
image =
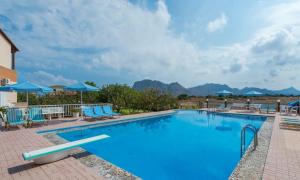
{"points": [[5, 53]]}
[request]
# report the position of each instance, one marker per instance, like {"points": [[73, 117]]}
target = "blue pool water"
{"points": [[186, 145]]}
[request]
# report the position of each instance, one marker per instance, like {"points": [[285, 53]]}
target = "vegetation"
{"points": [[125, 99]]}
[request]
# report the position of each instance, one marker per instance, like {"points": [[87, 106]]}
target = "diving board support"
{"points": [[58, 152]]}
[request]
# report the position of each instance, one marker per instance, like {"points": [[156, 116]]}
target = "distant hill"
{"points": [[288, 91], [206, 89], [173, 88], [210, 89]]}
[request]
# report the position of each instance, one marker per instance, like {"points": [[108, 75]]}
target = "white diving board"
{"points": [[57, 152]]}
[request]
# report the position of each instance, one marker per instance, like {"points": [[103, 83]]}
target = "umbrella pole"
{"points": [[81, 105], [27, 98]]}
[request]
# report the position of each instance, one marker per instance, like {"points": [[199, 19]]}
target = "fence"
{"points": [[53, 111]]}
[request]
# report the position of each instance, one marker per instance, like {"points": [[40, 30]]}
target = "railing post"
{"points": [[278, 105], [207, 103]]}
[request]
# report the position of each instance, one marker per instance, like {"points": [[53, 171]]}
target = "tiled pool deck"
{"points": [[18, 140], [283, 159]]}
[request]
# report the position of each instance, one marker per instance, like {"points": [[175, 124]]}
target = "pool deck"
{"points": [[18, 140], [283, 159]]}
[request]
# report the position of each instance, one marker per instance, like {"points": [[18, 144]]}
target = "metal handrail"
{"points": [[243, 137]]}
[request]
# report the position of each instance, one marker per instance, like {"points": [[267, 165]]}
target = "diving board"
{"points": [[57, 152]]}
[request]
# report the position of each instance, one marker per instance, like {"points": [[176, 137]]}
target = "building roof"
{"points": [[13, 46]]}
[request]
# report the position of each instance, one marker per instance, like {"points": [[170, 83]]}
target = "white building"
{"points": [[8, 74]]}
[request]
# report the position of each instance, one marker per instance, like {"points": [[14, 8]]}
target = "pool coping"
{"points": [[102, 167], [104, 123], [111, 171], [252, 163]]}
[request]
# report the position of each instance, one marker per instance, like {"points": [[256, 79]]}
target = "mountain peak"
{"points": [[206, 89]]}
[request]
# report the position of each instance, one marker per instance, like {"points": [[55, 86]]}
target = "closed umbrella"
{"points": [[26, 87], [82, 87]]}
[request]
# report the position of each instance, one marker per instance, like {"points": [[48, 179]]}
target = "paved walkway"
{"points": [[283, 160], [18, 140]]}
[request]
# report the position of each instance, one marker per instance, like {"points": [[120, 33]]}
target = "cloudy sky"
{"points": [[239, 43]]}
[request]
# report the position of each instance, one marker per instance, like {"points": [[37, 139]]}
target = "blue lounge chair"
{"points": [[99, 112], [108, 110], [58, 152], [15, 117], [89, 112], [36, 116]]}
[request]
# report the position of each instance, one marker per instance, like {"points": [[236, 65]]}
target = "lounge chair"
{"points": [[289, 123], [284, 109], [293, 110], [88, 112], [239, 106], [288, 110], [222, 108], [254, 107], [99, 112], [108, 110], [36, 116], [58, 152], [14, 117]]}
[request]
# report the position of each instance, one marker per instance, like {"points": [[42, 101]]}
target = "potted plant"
{"points": [[75, 112]]}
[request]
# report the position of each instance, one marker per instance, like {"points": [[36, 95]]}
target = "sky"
{"points": [[239, 43]]}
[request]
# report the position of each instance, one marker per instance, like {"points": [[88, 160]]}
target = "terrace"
{"points": [[282, 160]]}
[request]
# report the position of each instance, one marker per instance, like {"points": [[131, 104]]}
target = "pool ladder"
{"points": [[243, 137]]}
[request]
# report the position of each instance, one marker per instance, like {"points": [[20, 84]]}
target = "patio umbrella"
{"points": [[253, 93], [294, 103], [26, 87], [82, 87], [224, 93]]}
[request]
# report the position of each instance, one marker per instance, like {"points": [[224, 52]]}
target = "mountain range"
{"points": [[206, 89]]}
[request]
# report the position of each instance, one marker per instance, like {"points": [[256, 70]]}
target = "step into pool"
{"points": [[186, 145]]}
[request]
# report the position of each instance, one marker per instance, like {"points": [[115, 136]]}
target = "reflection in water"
{"points": [[223, 128], [154, 124]]}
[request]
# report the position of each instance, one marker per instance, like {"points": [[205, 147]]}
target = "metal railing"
{"points": [[243, 138], [51, 111]]}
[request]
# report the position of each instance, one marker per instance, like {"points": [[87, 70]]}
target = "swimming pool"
{"points": [[186, 145]]}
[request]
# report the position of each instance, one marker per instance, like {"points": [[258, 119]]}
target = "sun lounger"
{"points": [[36, 116], [99, 112], [89, 113], [222, 108], [255, 107], [239, 106], [284, 109], [108, 110], [14, 117], [288, 110], [293, 110], [58, 152], [289, 123]]}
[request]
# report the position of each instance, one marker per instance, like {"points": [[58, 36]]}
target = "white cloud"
{"points": [[127, 37], [217, 24], [42, 77], [93, 36]]}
